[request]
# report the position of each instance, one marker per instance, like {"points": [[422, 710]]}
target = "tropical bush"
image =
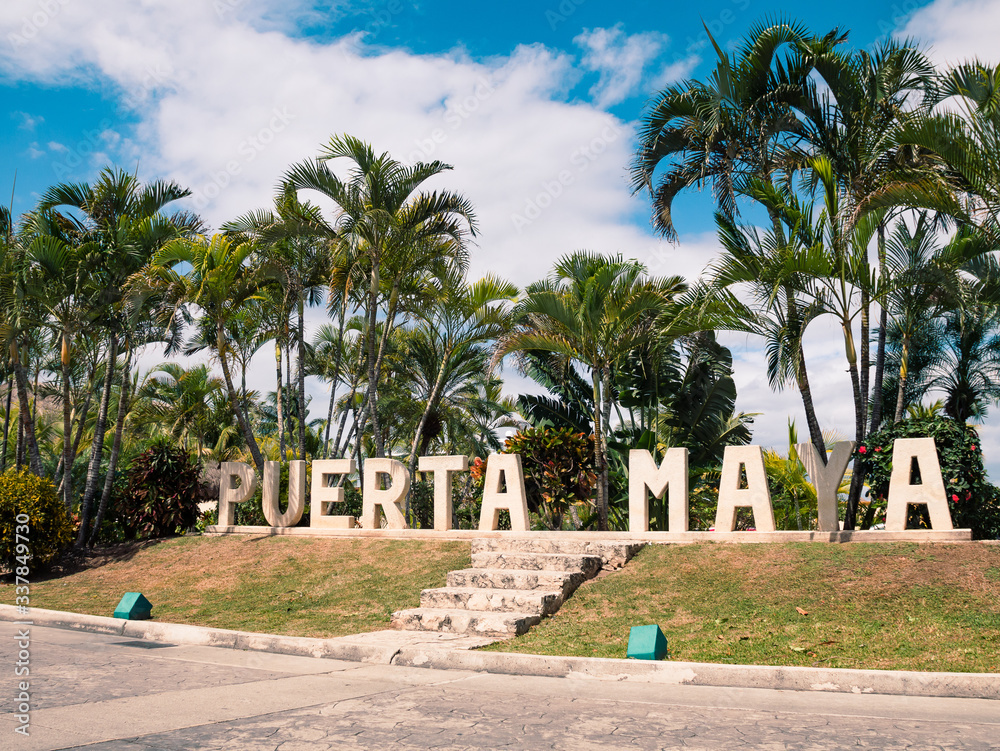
{"points": [[972, 500], [30, 508], [558, 465], [161, 494]]}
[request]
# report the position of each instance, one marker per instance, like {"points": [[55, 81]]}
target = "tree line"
{"points": [[858, 184]]}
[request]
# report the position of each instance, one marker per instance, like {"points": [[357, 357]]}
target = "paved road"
{"points": [[109, 693]]}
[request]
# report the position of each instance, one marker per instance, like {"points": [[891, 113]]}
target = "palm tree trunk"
{"points": [[97, 449], [865, 354], [333, 383], [288, 389], [903, 373], [600, 457], [372, 369], [241, 417], [857, 477], [343, 421], [124, 396], [301, 372], [67, 410], [279, 402], [802, 375], [29, 443], [6, 422], [876, 416]]}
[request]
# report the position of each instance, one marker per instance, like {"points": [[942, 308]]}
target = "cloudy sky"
{"points": [[534, 103]]}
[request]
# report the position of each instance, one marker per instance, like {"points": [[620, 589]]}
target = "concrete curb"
{"points": [[958, 685]]}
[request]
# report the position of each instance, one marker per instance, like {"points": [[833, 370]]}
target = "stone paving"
{"points": [[118, 694]]}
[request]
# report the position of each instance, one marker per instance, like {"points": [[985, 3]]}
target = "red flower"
{"points": [[862, 450], [968, 495], [973, 447], [878, 448], [954, 497]]}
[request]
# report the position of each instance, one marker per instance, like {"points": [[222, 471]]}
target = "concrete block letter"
{"points": [[671, 477], [826, 478], [387, 500], [296, 493], [505, 468], [756, 494], [236, 484], [325, 494], [905, 453], [443, 467]]}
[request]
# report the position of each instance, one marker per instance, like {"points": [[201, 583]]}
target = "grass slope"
{"points": [[284, 585], [892, 606], [895, 606]]}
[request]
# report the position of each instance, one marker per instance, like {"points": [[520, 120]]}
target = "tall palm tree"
{"points": [[120, 222], [214, 275], [735, 130], [449, 336], [387, 227], [593, 310]]}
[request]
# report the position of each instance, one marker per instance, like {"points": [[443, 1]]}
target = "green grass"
{"points": [[887, 606], [284, 585], [890, 606]]}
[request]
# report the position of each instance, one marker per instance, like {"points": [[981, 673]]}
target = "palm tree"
{"points": [[180, 399], [735, 130], [449, 336], [385, 227], [593, 310], [120, 222], [214, 275]]}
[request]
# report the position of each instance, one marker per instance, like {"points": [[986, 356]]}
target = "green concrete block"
{"points": [[646, 643], [134, 607]]}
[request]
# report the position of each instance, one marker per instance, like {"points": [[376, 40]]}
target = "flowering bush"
{"points": [[972, 500], [47, 529]]}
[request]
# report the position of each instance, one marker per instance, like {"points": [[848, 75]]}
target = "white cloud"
{"points": [[956, 30], [621, 61]]}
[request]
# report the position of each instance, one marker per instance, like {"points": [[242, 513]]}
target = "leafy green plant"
{"points": [[161, 496], [558, 466], [30, 507], [972, 500]]}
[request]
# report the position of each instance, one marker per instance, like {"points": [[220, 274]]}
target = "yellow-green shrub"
{"points": [[49, 529]]}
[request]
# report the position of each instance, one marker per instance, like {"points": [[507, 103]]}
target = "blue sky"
{"points": [[534, 103]]}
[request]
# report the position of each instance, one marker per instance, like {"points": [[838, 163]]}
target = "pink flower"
{"points": [[973, 447], [878, 448], [954, 497], [862, 450]]}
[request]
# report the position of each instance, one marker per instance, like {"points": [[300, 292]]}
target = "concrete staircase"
{"points": [[512, 585]]}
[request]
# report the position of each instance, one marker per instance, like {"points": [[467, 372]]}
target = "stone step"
{"points": [[564, 581], [614, 553], [588, 564], [478, 622], [539, 601]]}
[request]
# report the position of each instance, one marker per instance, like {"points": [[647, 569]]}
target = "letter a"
{"points": [[756, 495], [515, 500], [906, 451]]}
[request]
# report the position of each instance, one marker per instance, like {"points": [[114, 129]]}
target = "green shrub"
{"points": [[558, 466], [161, 495], [972, 500], [30, 507]]}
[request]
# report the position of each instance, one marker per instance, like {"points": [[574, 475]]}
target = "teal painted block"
{"points": [[646, 643], [134, 607]]}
